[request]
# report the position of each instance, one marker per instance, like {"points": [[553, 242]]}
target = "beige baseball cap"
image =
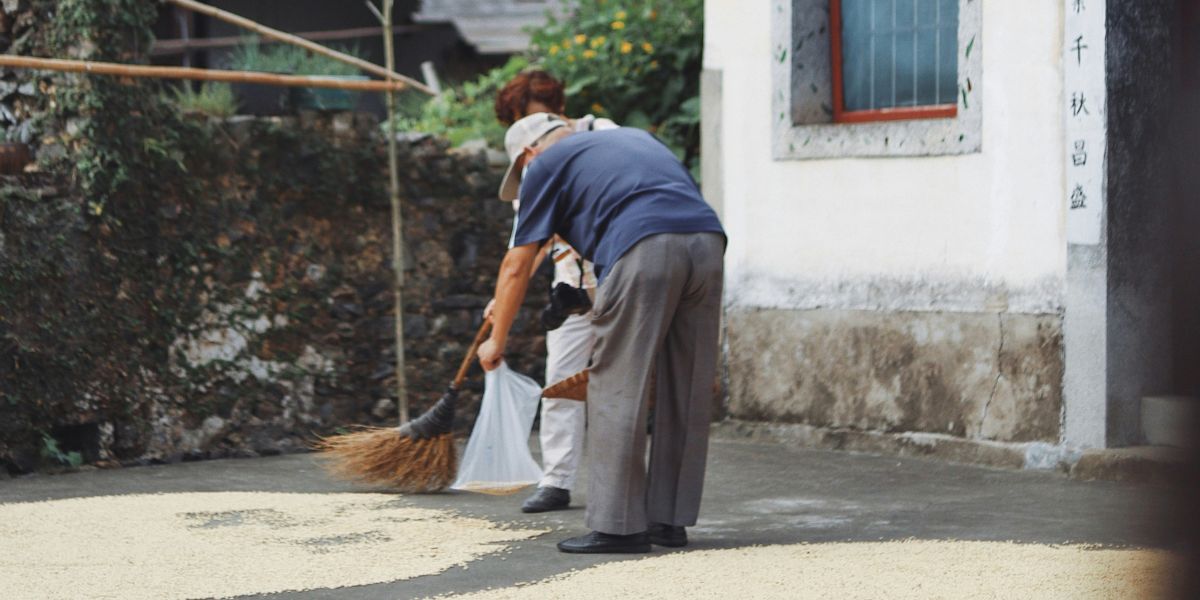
{"points": [[520, 135]]}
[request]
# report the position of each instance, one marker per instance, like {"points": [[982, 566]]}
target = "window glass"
{"points": [[899, 53]]}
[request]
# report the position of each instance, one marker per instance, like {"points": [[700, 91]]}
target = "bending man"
{"points": [[623, 201]]}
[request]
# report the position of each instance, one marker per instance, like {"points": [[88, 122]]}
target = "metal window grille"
{"points": [[898, 54]]}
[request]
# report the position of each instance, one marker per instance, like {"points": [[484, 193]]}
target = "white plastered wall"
{"points": [[976, 232]]}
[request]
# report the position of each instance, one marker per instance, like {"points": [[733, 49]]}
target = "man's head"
{"points": [[526, 139]]}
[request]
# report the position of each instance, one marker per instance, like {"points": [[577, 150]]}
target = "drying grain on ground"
{"points": [[201, 545], [894, 570]]}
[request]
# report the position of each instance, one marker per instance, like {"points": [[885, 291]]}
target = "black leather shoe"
{"points": [[671, 536], [606, 543], [547, 498]]}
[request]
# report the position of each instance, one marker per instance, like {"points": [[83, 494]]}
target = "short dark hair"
{"points": [[529, 86]]}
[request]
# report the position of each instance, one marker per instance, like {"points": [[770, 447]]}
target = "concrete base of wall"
{"points": [[1032, 455], [1141, 464], [972, 376], [1158, 465]]}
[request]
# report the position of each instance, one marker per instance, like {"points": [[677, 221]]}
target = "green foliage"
{"points": [[121, 129], [212, 99], [464, 113], [635, 61], [116, 157], [106, 30], [51, 451], [286, 58]]}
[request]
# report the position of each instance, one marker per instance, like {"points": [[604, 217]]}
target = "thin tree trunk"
{"points": [[397, 217]]}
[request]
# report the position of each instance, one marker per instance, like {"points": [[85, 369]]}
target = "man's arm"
{"points": [[537, 262], [510, 292]]}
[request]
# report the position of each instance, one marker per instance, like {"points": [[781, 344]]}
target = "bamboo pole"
{"points": [[122, 70], [388, 73], [397, 217], [169, 47]]}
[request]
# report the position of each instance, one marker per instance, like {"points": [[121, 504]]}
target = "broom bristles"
{"points": [[379, 455], [572, 388]]}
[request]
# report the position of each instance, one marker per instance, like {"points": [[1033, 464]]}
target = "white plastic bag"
{"points": [[497, 459]]}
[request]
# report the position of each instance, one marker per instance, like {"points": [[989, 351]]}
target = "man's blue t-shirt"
{"points": [[604, 191]]}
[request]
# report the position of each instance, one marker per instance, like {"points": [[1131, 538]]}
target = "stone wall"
{"points": [[253, 312]]}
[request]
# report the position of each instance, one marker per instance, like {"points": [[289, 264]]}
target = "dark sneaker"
{"points": [[671, 536], [606, 543], [547, 498]]}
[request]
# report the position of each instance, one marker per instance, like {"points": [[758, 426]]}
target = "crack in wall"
{"points": [[999, 374]]}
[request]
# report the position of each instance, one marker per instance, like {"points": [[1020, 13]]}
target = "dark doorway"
{"points": [[1186, 202]]}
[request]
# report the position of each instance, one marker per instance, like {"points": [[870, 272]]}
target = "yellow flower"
{"points": [[626, 47], [648, 47], [598, 41], [589, 54], [653, 15], [654, 64], [554, 49], [596, 108], [571, 58], [621, 15], [566, 42], [618, 25], [580, 39]]}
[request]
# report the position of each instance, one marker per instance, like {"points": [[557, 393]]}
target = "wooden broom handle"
{"points": [[484, 330]]}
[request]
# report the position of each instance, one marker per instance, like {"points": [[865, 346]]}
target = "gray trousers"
{"points": [[659, 308]]}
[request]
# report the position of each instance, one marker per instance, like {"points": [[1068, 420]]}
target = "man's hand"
{"points": [[490, 354], [487, 311]]}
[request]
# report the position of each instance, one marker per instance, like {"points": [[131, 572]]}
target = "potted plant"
{"points": [[316, 65], [258, 99]]}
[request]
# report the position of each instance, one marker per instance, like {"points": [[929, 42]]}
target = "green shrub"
{"points": [[463, 113], [635, 61], [212, 99], [51, 452]]}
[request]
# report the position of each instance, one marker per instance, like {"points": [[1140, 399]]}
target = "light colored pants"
{"points": [[658, 310], [568, 350]]}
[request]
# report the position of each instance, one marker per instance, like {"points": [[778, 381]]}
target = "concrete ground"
{"points": [[756, 494]]}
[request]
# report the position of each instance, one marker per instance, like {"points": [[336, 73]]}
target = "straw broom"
{"points": [[418, 456], [571, 388]]}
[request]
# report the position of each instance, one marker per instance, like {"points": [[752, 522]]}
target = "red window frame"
{"points": [[841, 115]]}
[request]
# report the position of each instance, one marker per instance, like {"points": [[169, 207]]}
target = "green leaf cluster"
{"points": [[635, 61], [120, 129], [51, 451], [462, 113], [212, 99]]}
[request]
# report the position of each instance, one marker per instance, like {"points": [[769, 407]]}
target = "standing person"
{"points": [[623, 200], [568, 347]]}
